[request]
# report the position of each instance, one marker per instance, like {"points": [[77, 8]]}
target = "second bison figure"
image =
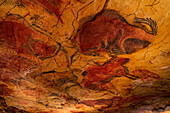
{"points": [[109, 32]]}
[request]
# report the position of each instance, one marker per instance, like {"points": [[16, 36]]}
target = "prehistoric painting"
{"points": [[84, 56]]}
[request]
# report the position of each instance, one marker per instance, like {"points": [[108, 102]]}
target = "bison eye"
{"points": [[132, 45], [84, 73]]}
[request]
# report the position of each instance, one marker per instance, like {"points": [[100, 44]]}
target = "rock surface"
{"points": [[84, 56]]}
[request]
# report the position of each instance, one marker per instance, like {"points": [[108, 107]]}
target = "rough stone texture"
{"points": [[84, 56]]}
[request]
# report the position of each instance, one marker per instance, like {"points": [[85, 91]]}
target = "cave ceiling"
{"points": [[84, 56]]}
